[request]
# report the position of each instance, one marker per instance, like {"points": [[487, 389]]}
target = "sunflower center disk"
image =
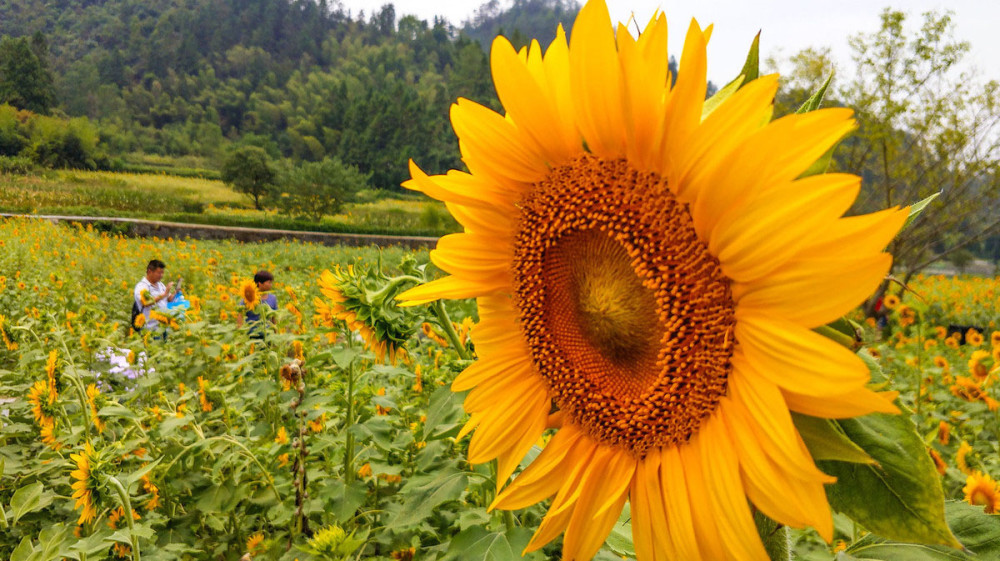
{"points": [[626, 314]]}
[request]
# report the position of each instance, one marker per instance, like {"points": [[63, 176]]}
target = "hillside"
{"points": [[189, 78]]}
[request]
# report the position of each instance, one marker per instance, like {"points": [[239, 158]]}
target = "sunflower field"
{"points": [[645, 343]]}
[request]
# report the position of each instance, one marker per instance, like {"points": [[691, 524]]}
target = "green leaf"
{"points": [[900, 497], [816, 99], [917, 208], [478, 544], [444, 412], [979, 531], [712, 103], [343, 357], [135, 476], [23, 550], [827, 441], [620, 539], [115, 410], [26, 499], [424, 494]]}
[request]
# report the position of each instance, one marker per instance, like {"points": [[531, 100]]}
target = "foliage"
{"points": [[25, 79], [49, 142], [523, 19], [248, 169], [317, 189], [926, 126]]}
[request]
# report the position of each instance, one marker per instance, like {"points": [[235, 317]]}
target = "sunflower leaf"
{"points": [[917, 208], [900, 498], [827, 441], [477, 543], [816, 99], [979, 531], [26, 499]]}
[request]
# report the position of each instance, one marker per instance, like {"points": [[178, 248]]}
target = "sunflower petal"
{"points": [[595, 76], [797, 359], [857, 402]]}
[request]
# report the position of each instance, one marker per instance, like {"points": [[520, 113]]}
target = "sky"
{"points": [[787, 26]]}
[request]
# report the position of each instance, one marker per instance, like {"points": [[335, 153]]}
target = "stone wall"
{"points": [[178, 230]]}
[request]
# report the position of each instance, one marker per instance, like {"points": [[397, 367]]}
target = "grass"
{"points": [[203, 201]]}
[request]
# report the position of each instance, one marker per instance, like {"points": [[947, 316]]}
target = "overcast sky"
{"points": [[787, 25]]}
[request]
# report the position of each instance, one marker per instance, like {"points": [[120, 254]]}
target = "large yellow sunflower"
{"points": [[653, 269], [84, 484]]}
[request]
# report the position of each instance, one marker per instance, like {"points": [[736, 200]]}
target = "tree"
{"points": [[25, 80], [248, 169], [318, 189], [925, 127]]}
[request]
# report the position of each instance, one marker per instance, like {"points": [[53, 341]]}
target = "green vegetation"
{"points": [[204, 201]]}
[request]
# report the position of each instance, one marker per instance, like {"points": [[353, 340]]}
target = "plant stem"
{"points": [[775, 537], [127, 507], [449, 329], [349, 423]]}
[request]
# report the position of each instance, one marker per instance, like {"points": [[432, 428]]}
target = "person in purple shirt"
{"points": [[264, 281]]}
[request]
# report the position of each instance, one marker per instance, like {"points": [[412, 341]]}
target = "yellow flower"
{"points": [[433, 335], [939, 464], [951, 342], [42, 397], [365, 471], [140, 320], [255, 544], [944, 433], [248, 290], [973, 337], [206, 405], [995, 339], [92, 394], [146, 298], [977, 368], [318, 424], [283, 460], [6, 336], [47, 432], [940, 332], [154, 492], [85, 484], [941, 363], [116, 515], [981, 490], [960, 461], [891, 301], [282, 437], [655, 272]]}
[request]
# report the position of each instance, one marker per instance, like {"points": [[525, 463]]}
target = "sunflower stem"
{"points": [[127, 507], [449, 329], [348, 423], [775, 537]]}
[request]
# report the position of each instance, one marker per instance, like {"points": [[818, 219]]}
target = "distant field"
{"points": [[203, 201]]}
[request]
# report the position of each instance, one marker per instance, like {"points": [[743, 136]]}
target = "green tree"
{"points": [[248, 169], [318, 189], [25, 80], [926, 126]]}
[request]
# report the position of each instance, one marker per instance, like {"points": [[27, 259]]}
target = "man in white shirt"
{"points": [[151, 293]]}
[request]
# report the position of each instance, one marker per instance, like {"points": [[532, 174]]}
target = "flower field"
{"points": [[223, 446]]}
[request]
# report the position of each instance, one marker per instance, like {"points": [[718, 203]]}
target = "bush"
{"points": [[317, 189], [16, 164], [248, 169]]}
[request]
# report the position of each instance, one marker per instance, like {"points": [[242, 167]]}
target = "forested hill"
{"points": [[301, 78]]}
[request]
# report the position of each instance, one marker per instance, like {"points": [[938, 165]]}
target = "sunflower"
{"points": [[42, 397], [93, 395], [977, 367], [995, 339], [85, 484], [652, 268], [960, 457], [891, 301], [48, 434], [250, 296], [944, 432], [980, 489], [973, 337], [255, 544], [362, 299], [6, 337]]}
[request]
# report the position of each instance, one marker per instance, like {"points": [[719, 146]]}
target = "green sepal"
{"points": [[751, 68], [816, 99], [826, 440], [899, 497], [712, 103], [822, 163], [980, 532], [917, 208]]}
